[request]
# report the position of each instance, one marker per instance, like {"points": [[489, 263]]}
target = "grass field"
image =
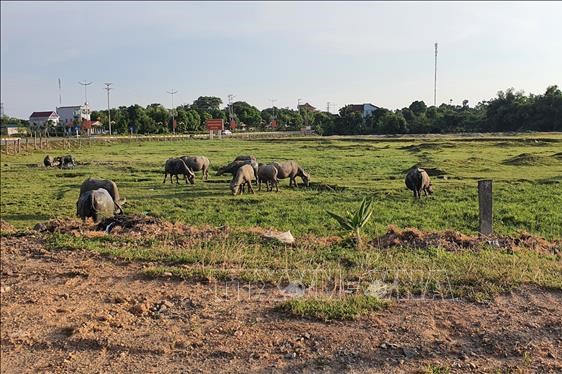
{"points": [[526, 172], [527, 175]]}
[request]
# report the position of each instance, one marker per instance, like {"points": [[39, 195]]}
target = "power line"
{"points": [[85, 84], [107, 88]]}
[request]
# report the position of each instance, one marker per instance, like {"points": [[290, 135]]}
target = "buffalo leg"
{"points": [[250, 187], [166, 176]]}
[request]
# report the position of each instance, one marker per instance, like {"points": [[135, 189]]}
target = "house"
{"points": [[91, 127], [307, 107], [71, 115], [39, 119], [365, 109]]}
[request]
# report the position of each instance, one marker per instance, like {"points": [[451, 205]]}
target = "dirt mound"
{"points": [[6, 227], [135, 226], [426, 146], [451, 240], [526, 159]]}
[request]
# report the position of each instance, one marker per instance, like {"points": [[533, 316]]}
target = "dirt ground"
{"points": [[80, 312]]}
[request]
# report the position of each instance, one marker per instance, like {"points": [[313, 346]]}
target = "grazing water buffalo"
{"points": [[197, 163], [244, 176], [233, 167], [97, 204], [268, 174], [107, 184], [176, 166], [291, 170], [418, 180]]}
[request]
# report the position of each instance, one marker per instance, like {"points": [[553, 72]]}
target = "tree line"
{"points": [[509, 111]]}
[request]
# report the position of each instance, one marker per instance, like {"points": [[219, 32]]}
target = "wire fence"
{"points": [[14, 146]]}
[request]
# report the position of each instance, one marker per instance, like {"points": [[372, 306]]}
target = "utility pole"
{"points": [[328, 107], [435, 79], [107, 88], [85, 84], [173, 123], [60, 93], [230, 109]]}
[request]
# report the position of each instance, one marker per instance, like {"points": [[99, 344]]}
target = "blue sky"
{"points": [[341, 52]]}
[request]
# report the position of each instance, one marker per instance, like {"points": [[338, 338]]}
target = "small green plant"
{"points": [[437, 369], [354, 222]]}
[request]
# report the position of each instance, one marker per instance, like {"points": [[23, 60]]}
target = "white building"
{"points": [[365, 109], [39, 119], [69, 114]]}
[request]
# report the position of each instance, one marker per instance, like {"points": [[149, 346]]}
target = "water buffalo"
{"points": [[176, 166], [97, 204], [197, 163], [107, 184], [233, 167], [244, 176], [418, 180], [268, 174], [291, 170]]}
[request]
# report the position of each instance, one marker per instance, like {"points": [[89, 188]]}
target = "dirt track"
{"points": [[80, 312]]}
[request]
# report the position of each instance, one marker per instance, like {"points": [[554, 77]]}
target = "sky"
{"points": [[319, 52]]}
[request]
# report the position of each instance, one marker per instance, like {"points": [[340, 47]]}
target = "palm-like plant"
{"points": [[355, 221]]}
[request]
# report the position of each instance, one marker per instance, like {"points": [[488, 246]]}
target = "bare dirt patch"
{"points": [[451, 240], [74, 311]]}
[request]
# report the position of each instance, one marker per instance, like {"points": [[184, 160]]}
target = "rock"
{"points": [[383, 346], [377, 289], [167, 274], [139, 309], [295, 288], [5, 289], [284, 237]]}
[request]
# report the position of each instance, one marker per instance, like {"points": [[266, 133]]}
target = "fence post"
{"points": [[485, 205]]}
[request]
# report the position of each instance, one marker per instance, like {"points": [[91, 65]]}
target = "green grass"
{"points": [[526, 170], [326, 309], [435, 273], [525, 196]]}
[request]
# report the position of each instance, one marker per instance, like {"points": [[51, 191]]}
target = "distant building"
{"points": [[91, 127], [307, 107], [365, 109], [12, 129], [70, 115], [39, 119]]}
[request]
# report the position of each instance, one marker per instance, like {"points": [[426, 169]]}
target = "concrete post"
{"points": [[485, 204]]}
